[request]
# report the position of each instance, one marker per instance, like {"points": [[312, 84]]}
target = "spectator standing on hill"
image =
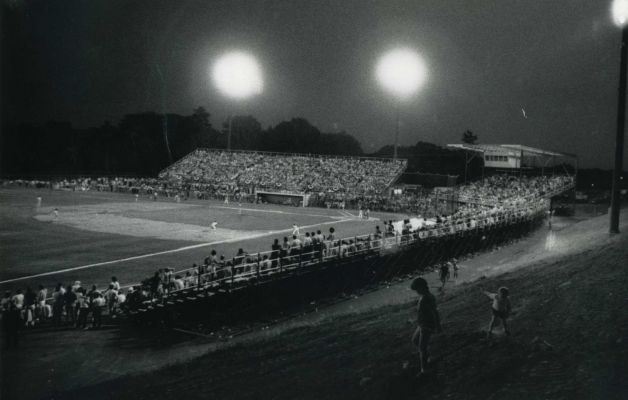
{"points": [[428, 321], [70, 305], [98, 303], [443, 275], [93, 293], [115, 283], [331, 235], [30, 300], [18, 300], [454, 263], [500, 308], [296, 242], [276, 251], [285, 247], [111, 298], [83, 310], [6, 300], [58, 301], [76, 287], [240, 256], [43, 309]]}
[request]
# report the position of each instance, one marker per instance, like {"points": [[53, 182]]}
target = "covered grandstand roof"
{"points": [[527, 150]]}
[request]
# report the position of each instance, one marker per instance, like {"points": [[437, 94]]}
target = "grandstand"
{"points": [[282, 177]]}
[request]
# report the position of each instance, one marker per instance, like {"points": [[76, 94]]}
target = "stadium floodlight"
{"points": [[620, 16], [237, 75], [620, 12], [401, 72]]}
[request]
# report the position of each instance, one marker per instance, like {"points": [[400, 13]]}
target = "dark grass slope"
{"points": [[570, 341]]}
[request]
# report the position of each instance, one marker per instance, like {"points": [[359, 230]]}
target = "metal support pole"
{"points": [[396, 131], [229, 134], [619, 138], [466, 165]]}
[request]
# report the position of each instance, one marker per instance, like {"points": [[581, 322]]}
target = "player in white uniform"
{"points": [[295, 230], [214, 224], [38, 201]]}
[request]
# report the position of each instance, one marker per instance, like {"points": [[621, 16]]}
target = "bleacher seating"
{"points": [[286, 172]]}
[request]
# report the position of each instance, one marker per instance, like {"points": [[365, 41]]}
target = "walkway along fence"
{"points": [[342, 263]]}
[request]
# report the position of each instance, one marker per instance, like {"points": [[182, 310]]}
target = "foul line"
{"points": [[274, 211], [180, 249]]}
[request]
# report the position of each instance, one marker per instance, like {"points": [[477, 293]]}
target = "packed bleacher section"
{"points": [[220, 170], [514, 202], [508, 189]]}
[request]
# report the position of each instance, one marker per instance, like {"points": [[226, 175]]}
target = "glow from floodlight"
{"points": [[620, 12], [238, 75], [401, 71]]}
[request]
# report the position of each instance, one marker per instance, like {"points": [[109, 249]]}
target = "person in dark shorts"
{"points": [[443, 275], [500, 308], [428, 321]]}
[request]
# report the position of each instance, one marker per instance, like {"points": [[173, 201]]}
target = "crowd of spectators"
{"points": [[65, 306], [501, 189], [496, 201], [332, 182], [221, 170]]}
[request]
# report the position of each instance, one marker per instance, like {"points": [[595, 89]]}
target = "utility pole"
{"points": [[619, 138]]}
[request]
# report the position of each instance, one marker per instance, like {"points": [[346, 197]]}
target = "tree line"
{"points": [[142, 144]]}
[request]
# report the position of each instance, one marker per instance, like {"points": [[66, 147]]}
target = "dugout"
{"points": [[283, 198]]}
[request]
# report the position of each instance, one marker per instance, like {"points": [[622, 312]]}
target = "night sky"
{"points": [[90, 61]]}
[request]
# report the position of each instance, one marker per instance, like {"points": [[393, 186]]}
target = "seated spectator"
{"points": [[178, 283]]}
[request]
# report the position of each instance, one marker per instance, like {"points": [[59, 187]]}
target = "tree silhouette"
{"points": [[469, 137]]}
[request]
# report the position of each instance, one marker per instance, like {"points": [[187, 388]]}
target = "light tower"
{"points": [[401, 72], [620, 16], [238, 76]]}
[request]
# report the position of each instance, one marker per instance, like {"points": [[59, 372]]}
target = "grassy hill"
{"points": [[570, 340]]}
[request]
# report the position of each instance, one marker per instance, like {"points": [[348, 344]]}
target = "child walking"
{"points": [[500, 308], [428, 321]]}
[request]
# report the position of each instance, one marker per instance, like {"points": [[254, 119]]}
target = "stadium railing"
{"points": [[258, 269]]}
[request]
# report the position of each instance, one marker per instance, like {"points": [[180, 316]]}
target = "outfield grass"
{"points": [[102, 227]]}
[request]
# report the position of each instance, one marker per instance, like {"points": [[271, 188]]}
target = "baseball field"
{"points": [[91, 236]]}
